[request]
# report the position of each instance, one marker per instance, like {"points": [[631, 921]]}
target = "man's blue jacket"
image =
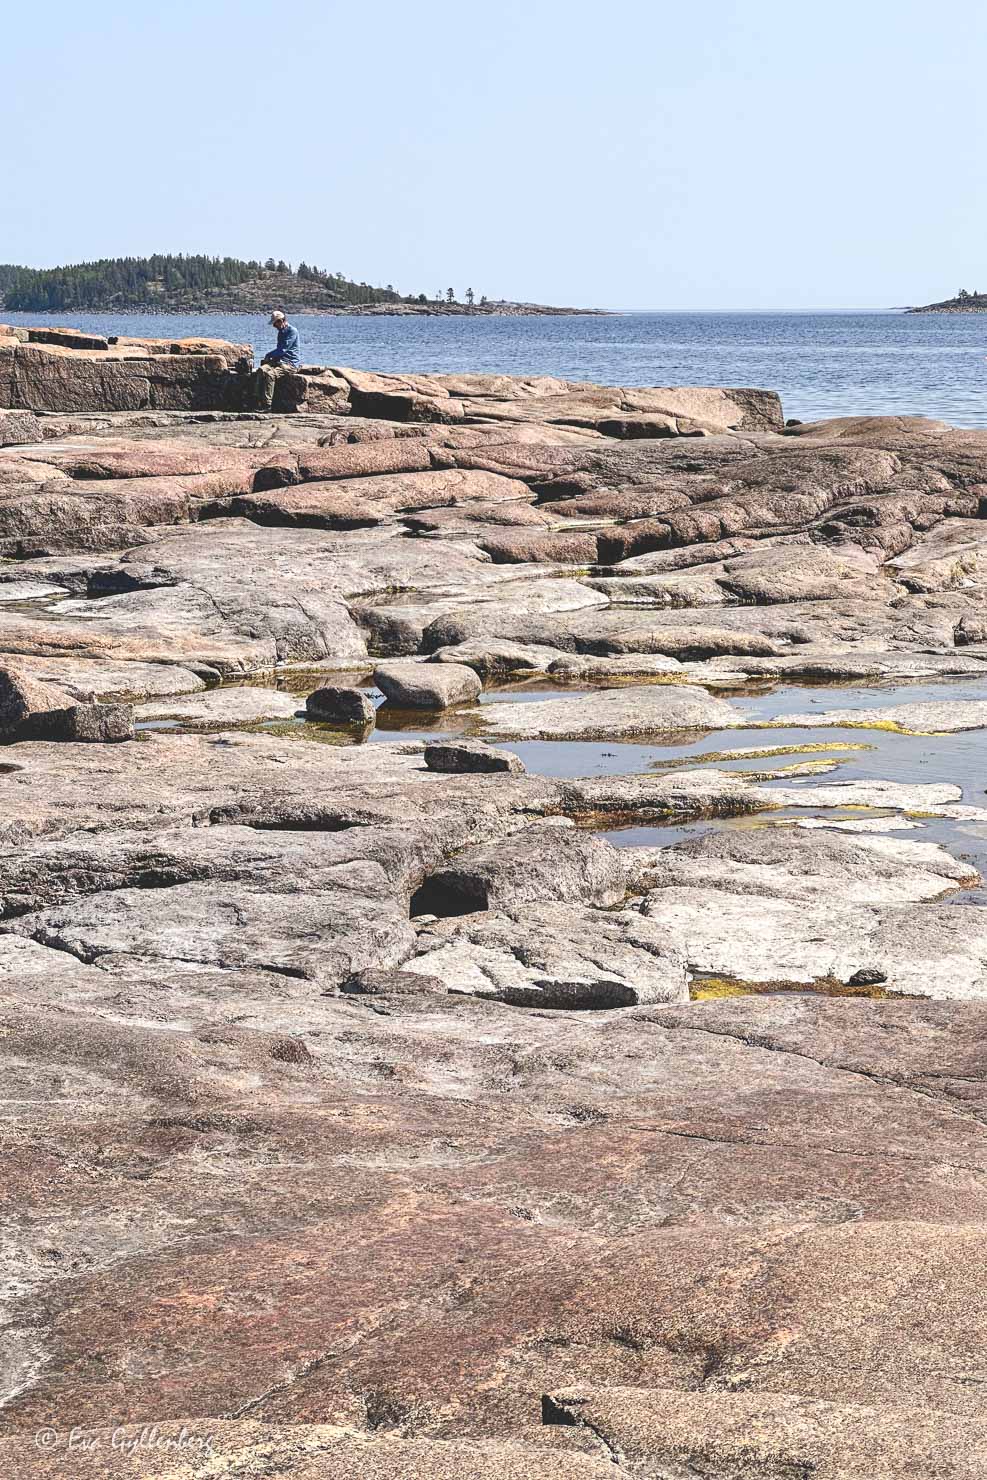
{"points": [[287, 350]]}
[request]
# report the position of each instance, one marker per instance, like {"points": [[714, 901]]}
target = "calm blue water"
{"points": [[822, 364]]}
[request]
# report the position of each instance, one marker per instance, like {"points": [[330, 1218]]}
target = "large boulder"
{"points": [[32, 709], [427, 685], [47, 369], [24, 696], [400, 398], [340, 706], [94, 723], [52, 378]]}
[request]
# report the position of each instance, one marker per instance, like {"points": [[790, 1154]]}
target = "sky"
{"points": [[718, 155]]}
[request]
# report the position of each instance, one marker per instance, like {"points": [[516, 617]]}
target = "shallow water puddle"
{"points": [[879, 694], [842, 754]]}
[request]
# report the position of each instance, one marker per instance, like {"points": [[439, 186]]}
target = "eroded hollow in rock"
{"points": [[554, 1413], [302, 824], [446, 895], [295, 821], [602, 995]]}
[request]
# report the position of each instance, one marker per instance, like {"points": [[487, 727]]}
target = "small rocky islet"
{"points": [[493, 950]]}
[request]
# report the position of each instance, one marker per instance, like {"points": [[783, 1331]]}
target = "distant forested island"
{"points": [[199, 284], [964, 302]]}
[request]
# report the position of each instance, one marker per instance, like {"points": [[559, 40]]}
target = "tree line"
{"points": [[124, 282], [142, 282]]}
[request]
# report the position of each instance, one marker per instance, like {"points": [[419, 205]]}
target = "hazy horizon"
{"points": [[740, 159]]}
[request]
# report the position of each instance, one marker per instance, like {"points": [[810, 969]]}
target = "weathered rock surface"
{"points": [[613, 714], [541, 862], [89, 722], [354, 1103], [341, 502], [18, 426], [680, 411], [305, 1451], [770, 1436], [826, 912], [557, 956]]}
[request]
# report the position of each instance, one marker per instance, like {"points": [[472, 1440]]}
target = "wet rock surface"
{"points": [[581, 1071]]}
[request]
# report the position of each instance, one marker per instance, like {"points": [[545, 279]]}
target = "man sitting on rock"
{"points": [[281, 361]]}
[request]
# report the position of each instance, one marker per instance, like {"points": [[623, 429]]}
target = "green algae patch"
{"points": [[793, 768], [303, 730], [758, 753], [721, 988], [717, 989], [629, 679], [612, 819], [889, 726]]}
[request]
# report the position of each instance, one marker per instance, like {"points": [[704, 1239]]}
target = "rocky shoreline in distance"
{"points": [[457, 310], [493, 952], [963, 303], [200, 285]]}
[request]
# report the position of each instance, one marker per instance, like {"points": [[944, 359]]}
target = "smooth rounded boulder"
{"points": [[409, 685]]}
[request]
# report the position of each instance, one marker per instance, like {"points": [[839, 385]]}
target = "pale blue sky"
{"points": [[721, 154]]}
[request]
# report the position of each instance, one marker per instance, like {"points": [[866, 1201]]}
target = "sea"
{"points": [[822, 364]]}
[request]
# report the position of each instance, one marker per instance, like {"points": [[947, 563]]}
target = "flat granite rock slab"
{"points": [[933, 716], [612, 714], [306, 1451], [355, 1106], [224, 706], [105, 680]]}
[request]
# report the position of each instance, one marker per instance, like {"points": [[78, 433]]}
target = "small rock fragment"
{"points": [[290, 1051], [392, 983]]}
